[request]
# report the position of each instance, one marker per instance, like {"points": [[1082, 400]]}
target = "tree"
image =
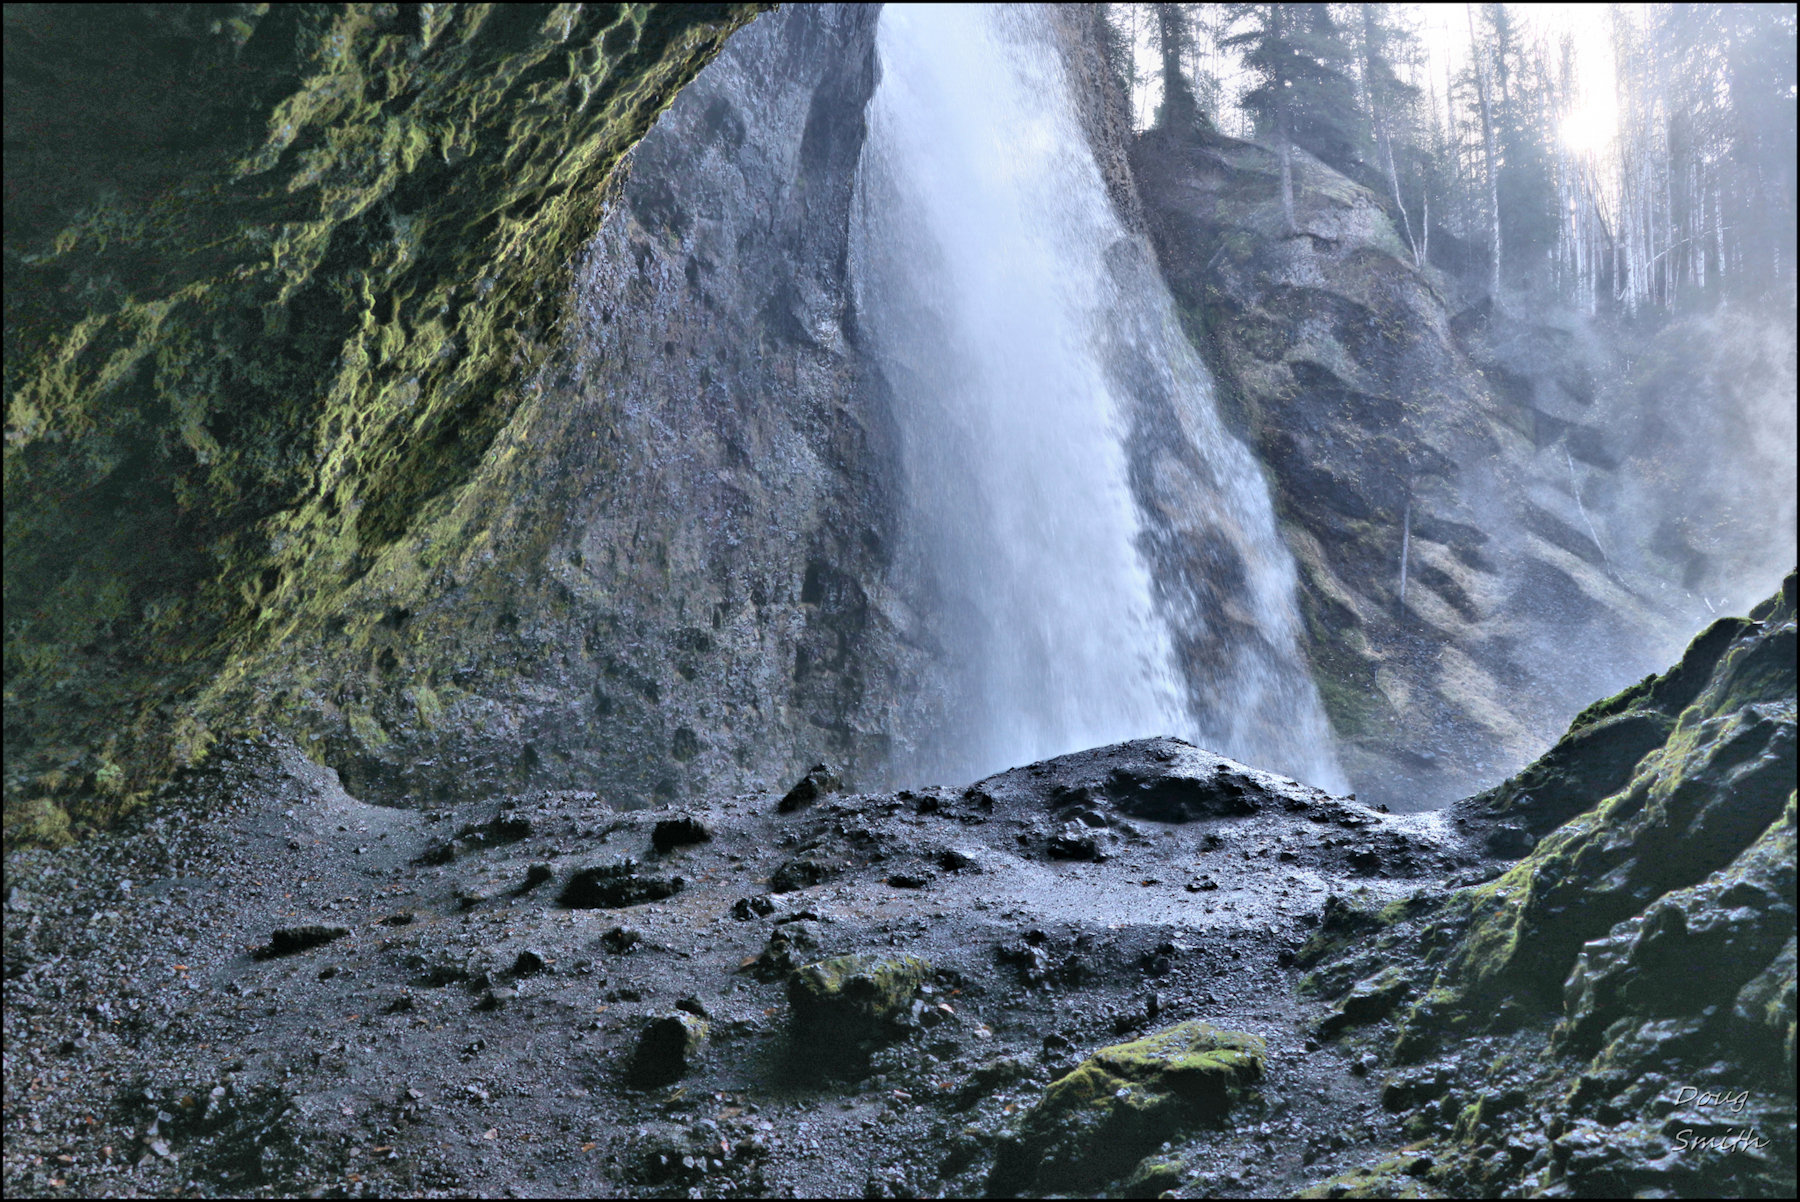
{"points": [[1488, 159], [1302, 95], [1386, 98], [1179, 109]]}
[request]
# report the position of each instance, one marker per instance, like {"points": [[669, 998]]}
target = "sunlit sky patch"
{"points": [[1593, 120], [1590, 127]]}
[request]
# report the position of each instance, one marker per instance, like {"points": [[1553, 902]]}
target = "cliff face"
{"points": [[1479, 464], [275, 275], [672, 565]]}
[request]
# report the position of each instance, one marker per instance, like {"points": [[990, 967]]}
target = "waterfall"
{"points": [[1036, 371]]}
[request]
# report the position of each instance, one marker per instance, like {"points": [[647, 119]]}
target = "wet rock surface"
{"points": [[1261, 989], [1614, 1013], [502, 1039], [1401, 422]]}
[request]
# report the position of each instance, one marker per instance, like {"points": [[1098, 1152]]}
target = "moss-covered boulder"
{"points": [[1153, 1176], [1400, 1177], [1716, 786], [1094, 1124], [842, 1003]]}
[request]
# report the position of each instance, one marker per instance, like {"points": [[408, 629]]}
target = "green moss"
{"points": [[1402, 1176], [38, 822], [366, 730], [1093, 1124], [849, 999], [257, 351], [1153, 1176], [426, 704]]}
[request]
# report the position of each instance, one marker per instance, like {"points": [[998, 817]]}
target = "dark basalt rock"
{"points": [[818, 781], [683, 830], [1158, 780], [666, 1049], [288, 941], [801, 873], [614, 886]]}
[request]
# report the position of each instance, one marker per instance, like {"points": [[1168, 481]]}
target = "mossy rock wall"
{"points": [[312, 419], [1632, 977]]}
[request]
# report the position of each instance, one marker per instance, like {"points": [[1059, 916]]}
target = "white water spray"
{"points": [[988, 285]]}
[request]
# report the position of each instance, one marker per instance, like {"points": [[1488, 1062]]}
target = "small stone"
{"points": [[800, 873], [1508, 842], [746, 908], [288, 941], [528, 963], [790, 945], [679, 831], [537, 874], [614, 886], [667, 1048], [818, 781], [495, 998], [620, 940]]}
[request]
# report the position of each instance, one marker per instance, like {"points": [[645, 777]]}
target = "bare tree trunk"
{"points": [[1487, 142], [1290, 226], [1425, 227]]}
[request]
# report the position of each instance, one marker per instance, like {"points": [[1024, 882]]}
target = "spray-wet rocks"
{"points": [[765, 1037]]}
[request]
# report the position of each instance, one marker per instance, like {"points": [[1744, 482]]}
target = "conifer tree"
{"points": [[1179, 108], [1302, 95]]}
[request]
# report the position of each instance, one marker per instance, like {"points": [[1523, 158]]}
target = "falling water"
{"points": [[1021, 352]]}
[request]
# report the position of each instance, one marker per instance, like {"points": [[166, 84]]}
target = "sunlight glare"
{"points": [[1589, 129]]}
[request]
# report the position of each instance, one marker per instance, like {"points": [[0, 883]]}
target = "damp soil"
{"points": [[268, 987]]}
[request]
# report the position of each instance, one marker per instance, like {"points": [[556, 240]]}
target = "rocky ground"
{"points": [[464, 1005], [1132, 970]]}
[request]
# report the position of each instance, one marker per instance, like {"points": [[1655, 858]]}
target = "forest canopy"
{"points": [[1636, 159]]}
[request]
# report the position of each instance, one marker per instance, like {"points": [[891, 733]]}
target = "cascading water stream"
{"points": [[1025, 355]]}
